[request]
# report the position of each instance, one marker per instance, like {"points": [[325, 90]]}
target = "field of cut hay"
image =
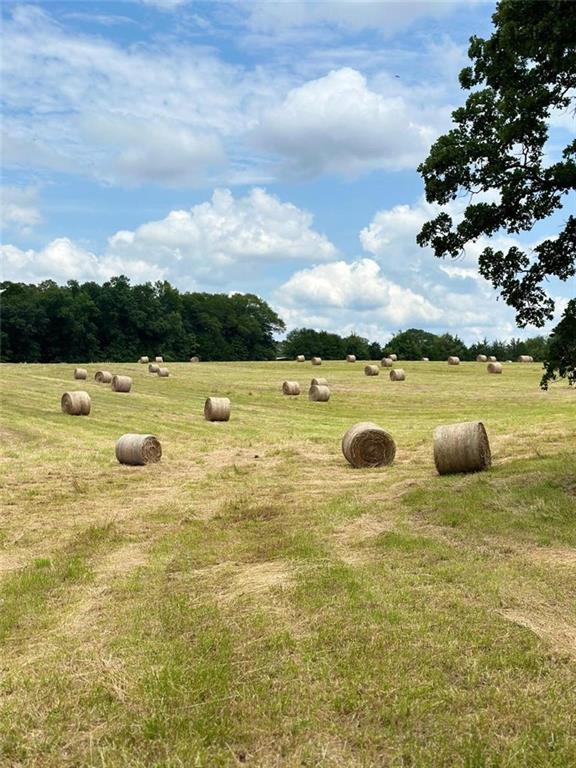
{"points": [[252, 599]]}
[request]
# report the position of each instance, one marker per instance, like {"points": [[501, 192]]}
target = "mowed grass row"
{"points": [[252, 599]]}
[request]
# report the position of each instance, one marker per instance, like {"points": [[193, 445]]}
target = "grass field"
{"points": [[252, 599]]}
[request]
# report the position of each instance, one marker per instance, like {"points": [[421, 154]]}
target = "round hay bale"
{"points": [[319, 382], [393, 357], [350, 358], [367, 445], [291, 388], [80, 373], [494, 367], [138, 449], [103, 377], [481, 359], [453, 360], [159, 359], [397, 374], [163, 373], [195, 359], [387, 362], [492, 359], [153, 368], [316, 361], [425, 359], [121, 383], [144, 359], [319, 393], [462, 447], [217, 409], [525, 359], [76, 403], [371, 370], [300, 358]]}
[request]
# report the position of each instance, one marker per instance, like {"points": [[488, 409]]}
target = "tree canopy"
{"points": [[499, 146]]}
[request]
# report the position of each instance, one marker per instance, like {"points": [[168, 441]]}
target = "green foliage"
{"points": [[561, 359], [117, 321], [518, 76]]}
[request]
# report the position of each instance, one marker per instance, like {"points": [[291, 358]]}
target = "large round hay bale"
{"points": [[316, 361], [76, 403], [425, 359], [153, 368], [138, 449], [492, 359], [103, 377], [350, 358], [159, 359], [163, 373], [397, 374], [462, 447], [291, 388], [144, 359], [319, 393], [393, 357], [481, 359], [195, 359], [371, 370], [300, 358], [494, 367], [453, 360], [367, 445], [319, 382], [525, 359], [80, 373], [387, 362], [217, 409], [121, 383]]}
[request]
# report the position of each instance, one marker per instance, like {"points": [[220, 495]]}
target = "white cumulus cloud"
{"points": [[19, 208]]}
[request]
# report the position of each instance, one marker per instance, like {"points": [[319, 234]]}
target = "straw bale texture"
{"points": [[103, 377], [159, 359], [80, 373], [492, 359], [137, 450], [462, 447], [350, 358], [291, 388], [300, 358], [494, 367], [425, 359], [453, 360], [76, 403], [397, 374], [195, 359], [153, 368], [319, 393], [319, 381], [121, 383], [217, 409], [316, 361], [387, 362], [144, 359], [367, 445], [163, 372], [525, 359], [371, 370], [393, 357], [481, 359]]}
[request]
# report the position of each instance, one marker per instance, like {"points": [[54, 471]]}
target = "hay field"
{"points": [[253, 600]]}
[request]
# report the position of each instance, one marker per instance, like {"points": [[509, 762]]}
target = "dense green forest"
{"points": [[118, 321]]}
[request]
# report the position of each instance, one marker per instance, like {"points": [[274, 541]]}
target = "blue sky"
{"points": [[245, 146]]}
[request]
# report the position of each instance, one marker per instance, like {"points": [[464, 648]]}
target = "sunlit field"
{"points": [[253, 599]]}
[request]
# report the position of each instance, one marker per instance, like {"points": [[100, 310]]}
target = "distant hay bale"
{"points": [[121, 383], [144, 359], [159, 359], [494, 367], [397, 374], [76, 403], [291, 388], [300, 358], [103, 377], [319, 393], [350, 358], [425, 359], [367, 445], [137, 450], [319, 382], [462, 447], [80, 373], [453, 360], [371, 370], [163, 373], [393, 357], [525, 359], [153, 368], [481, 359], [316, 361], [195, 359], [217, 409], [387, 362], [492, 359]]}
